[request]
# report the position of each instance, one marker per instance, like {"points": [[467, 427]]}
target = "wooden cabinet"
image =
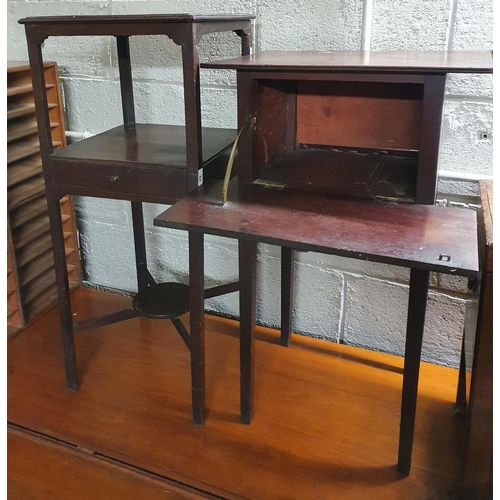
{"points": [[361, 124], [31, 285]]}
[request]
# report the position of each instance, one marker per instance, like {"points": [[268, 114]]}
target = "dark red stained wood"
{"points": [[432, 112], [477, 478], [192, 112], [133, 19], [144, 279], [359, 114], [62, 282], [406, 235], [197, 325], [271, 114], [126, 85], [142, 160], [138, 163], [486, 195], [244, 163], [181, 28], [384, 61], [247, 257], [43, 468], [118, 181], [144, 144], [478, 460], [325, 427], [364, 174], [181, 32]]}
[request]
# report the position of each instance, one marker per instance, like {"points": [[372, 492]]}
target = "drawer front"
{"points": [[128, 179]]}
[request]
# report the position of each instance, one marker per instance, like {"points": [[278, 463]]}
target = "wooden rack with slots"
{"points": [[31, 284]]}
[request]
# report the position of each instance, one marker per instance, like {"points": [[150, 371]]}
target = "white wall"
{"points": [[344, 300]]}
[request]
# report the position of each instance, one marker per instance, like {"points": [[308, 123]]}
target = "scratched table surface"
{"points": [[442, 239], [401, 61]]}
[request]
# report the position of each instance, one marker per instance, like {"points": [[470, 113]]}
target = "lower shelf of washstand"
{"points": [[162, 301]]}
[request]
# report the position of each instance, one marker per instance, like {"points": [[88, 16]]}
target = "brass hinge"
{"points": [[270, 184], [387, 199]]}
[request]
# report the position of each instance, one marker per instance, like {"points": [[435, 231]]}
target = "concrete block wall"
{"points": [[344, 300]]}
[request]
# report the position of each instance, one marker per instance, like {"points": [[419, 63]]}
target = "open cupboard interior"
{"points": [[353, 137]]}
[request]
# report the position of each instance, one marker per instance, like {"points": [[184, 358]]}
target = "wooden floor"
{"points": [[325, 427]]}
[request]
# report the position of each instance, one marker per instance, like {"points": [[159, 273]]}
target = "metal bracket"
{"points": [[387, 199], [229, 167]]}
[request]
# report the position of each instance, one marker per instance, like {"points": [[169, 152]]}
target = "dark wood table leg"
{"points": [[197, 325], [432, 111], [286, 295], [419, 283], [246, 41], [247, 252], [461, 401], [61, 270], [144, 278], [469, 334], [192, 104], [477, 477]]}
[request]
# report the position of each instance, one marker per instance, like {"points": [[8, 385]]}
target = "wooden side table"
{"points": [[337, 154], [410, 235], [136, 162]]}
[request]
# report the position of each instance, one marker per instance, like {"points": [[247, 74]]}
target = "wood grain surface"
{"points": [[359, 114], [402, 234], [42, 468], [133, 19], [160, 145], [486, 195], [326, 415], [363, 174]]}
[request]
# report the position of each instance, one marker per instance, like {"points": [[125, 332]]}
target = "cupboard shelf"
{"points": [[364, 174]]}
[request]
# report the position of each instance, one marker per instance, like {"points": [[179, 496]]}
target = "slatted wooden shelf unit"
{"points": [[31, 285]]}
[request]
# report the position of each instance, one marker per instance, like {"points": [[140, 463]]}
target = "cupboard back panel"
{"points": [[359, 114]]}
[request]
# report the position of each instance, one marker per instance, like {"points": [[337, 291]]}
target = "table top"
{"points": [[133, 19], [420, 62], [176, 26], [407, 235]]}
